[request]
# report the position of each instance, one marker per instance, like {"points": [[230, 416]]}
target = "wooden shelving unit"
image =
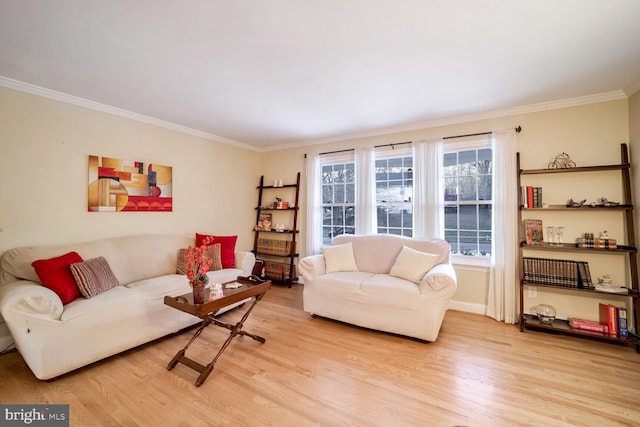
{"points": [[628, 249], [285, 237]]}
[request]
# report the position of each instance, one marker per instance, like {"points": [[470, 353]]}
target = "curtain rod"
{"points": [[518, 130]]}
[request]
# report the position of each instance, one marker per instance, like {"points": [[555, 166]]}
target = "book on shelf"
{"points": [[533, 231], [623, 324], [557, 272], [597, 243], [264, 222], [531, 196], [587, 325], [609, 317]]}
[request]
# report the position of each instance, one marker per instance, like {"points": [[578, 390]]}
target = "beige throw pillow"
{"points": [[412, 265], [213, 252], [93, 276], [339, 258]]}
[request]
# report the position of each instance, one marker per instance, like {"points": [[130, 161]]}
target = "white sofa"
{"points": [[371, 298], [54, 338]]}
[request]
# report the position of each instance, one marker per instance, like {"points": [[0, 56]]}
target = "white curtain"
{"points": [[428, 189], [314, 203], [502, 303], [366, 217]]}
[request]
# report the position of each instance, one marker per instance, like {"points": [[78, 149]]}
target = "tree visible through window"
{"points": [[468, 201], [338, 200]]}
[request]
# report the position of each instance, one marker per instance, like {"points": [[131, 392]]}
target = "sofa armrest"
{"points": [[311, 267], [440, 277], [245, 261], [29, 299]]}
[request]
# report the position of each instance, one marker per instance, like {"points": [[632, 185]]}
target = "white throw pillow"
{"points": [[339, 258], [412, 265]]}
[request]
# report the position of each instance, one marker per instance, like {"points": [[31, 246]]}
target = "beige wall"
{"points": [[591, 134], [45, 145]]}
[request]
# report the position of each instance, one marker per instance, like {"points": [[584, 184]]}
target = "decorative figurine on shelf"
{"points": [[604, 234], [605, 280], [561, 161], [572, 204], [604, 202]]}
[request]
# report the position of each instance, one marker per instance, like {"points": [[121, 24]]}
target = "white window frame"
{"points": [[331, 160], [396, 153], [454, 147]]}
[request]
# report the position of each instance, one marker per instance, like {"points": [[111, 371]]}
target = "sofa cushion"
{"points": [[228, 248], [94, 276], [388, 291], [412, 265], [213, 252], [54, 273], [339, 258]]}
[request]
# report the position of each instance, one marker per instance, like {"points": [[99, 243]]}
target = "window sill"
{"points": [[472, 262]]}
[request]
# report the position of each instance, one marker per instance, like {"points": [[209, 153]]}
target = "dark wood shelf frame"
{"points": [[528, 321], [289, 234]]}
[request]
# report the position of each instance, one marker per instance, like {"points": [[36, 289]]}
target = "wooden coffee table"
{"points": [[206, 312]]}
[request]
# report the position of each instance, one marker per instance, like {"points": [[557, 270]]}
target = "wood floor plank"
{"points": [[317, 372]]}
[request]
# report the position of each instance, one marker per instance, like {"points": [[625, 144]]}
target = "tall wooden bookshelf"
{"points": [[277, 247], [529, 321]]}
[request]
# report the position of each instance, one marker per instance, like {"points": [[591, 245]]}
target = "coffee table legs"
{"points": [[235, 330]]}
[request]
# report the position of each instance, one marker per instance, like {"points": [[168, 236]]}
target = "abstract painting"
{"points": [[117, 185]]}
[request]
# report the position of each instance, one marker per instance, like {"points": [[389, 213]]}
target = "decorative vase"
{"points": [[198, 286]]}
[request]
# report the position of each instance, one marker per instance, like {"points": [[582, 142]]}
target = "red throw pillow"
{"points": [[55, 274], [228, 247]]}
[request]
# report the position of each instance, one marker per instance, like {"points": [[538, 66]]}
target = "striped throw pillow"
{"points": [[412, 265], [214, 252], [93, 276], [339, 258]]}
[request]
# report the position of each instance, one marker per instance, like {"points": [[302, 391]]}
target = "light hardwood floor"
{"points": [[317, 372]]}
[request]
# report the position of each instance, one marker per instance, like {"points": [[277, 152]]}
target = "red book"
{"points": [[529, 196], [609, 317], [588, 325]]}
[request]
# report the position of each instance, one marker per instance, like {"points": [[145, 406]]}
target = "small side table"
{"points": [[207, 312]]}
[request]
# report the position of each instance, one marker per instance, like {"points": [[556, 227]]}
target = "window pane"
{"points": [[451, 236], [327, 174], [484, 239], [468, 188], [484, 187], [451, 188], [350, 195], [468, 217], [338, 215], [381, 170], [466, 162], [382, 216], [395, 217], [350, 172], [382, 192], [468, 242], [451, 216], [327, 194], [484, 217], [350, 216], [338, 196], [327, 217]]}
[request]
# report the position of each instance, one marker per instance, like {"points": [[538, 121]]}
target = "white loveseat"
{"points": [[370, 297], [54, 338]]}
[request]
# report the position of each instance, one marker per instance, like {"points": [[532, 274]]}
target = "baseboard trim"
{"points": [[467, 307]]}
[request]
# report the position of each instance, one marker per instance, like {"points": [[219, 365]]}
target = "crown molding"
{"points": [[633, 87], [465, 118], [92, 105]]}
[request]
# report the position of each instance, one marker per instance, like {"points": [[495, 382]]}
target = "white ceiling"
{"points": [[279, 72]]}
